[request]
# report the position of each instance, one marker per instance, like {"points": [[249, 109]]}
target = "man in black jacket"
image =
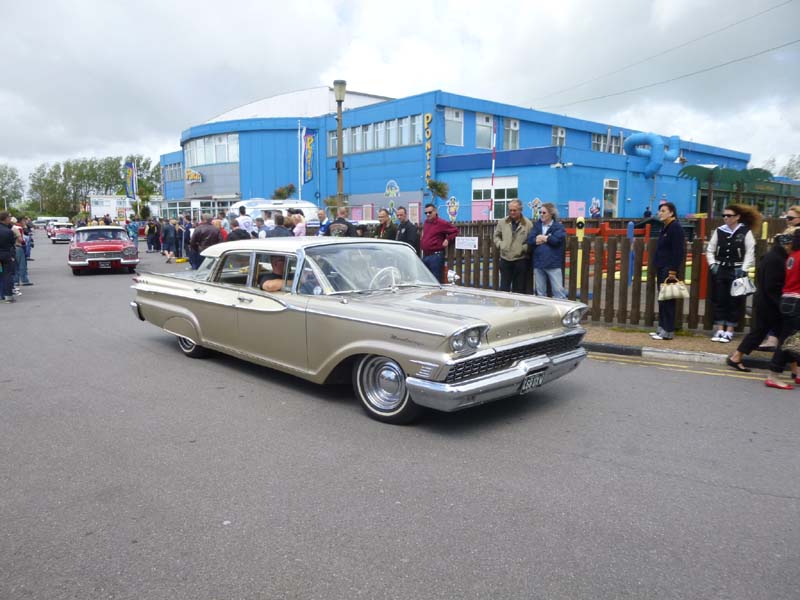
{"points": [[7, 258], [406, 230], [341, 227], [203, 236], [770, 276]]}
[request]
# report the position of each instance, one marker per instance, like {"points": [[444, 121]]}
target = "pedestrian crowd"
{"points": [[16, 243]]}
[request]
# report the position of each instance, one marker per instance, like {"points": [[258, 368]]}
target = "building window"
{"points": [[346, 141], [416, 129], [603, 143], [453, 127], [483, 130], [405, 139], [355, 143], [332, 150], [367, 137], [380, 135], [559, 136], [214, 149], [510, 134], [391, 139]]}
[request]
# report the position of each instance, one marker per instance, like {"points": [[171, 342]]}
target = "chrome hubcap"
{"points": [[383, 383], [186, 344]]}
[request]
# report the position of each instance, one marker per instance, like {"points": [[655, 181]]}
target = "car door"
{"points": [[272, 325], [215, 303]]}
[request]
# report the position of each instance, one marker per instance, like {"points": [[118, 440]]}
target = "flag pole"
{"points": [[299, 162], [494, 156]]}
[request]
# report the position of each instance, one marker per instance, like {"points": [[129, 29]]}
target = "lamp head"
{"points": [[339, 89]]}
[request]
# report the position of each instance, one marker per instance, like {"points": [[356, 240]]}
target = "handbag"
{"points": [[792, 344], [742, 286], [673, 291]]}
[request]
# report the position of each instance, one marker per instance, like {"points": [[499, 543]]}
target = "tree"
{"points": [[739, 178], [770, 165], [282, 193], [702, 174], [792, 168], [439, 189], [11, 188]]}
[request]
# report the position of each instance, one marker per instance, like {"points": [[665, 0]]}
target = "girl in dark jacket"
{"points": [[770, 277], [668, 261]]}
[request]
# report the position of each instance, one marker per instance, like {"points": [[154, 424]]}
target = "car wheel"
{"points": [[380, 385], [76, 272], [190, 349], [53, 241], [131, 269]]}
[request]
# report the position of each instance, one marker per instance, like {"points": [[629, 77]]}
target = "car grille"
{"points": [[504, 359], [103, 255]]}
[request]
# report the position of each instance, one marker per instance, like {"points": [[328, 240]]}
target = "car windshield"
{"points": [[370, 266], [101, 235]]}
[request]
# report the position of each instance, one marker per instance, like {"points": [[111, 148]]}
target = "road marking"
{"points": [[711, 370]]}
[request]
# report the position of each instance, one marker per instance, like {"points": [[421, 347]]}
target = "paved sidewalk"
{"points": [[690, 347]]}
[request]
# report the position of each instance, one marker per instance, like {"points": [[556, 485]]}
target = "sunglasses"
{"points": [[788, 218], [428, 212], [728, 215]]}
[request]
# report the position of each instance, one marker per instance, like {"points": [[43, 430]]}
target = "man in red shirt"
{"points": [[436, 236]]}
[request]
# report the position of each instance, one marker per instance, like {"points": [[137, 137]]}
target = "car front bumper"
{"points": [[94, 263], [451, 397]]}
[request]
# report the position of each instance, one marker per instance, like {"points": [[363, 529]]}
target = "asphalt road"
{"points": [[130, 471]]}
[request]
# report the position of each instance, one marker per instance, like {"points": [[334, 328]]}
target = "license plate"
{"points": [[532, 380], [104, 264]]}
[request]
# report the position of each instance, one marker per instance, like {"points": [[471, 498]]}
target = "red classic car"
{"points": [[61, 232], [104, 247]]}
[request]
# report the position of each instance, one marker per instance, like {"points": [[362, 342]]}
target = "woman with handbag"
{"points": [[668, 260], [730, 254], [770, 277], [790, 315]]}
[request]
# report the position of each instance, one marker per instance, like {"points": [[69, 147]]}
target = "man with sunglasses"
{"points": [[436, 236]]}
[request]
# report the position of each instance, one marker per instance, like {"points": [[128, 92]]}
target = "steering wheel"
{"points": [[394, 271]]}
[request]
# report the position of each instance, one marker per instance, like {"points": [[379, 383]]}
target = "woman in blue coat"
{"points": [[548, 238]]}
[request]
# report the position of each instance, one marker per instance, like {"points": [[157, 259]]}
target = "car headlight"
{"points": [[129, 251], [458, 341], [473, 337], [77, 254], [574, 316]]}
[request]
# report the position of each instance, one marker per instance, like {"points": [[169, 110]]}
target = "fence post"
{"points": [[611, 280], [650, 289], [636, 287], [694, 287], [597, 286], [624, 279]]}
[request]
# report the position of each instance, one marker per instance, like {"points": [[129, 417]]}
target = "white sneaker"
{"points": [[725, 337], [717, 336]]}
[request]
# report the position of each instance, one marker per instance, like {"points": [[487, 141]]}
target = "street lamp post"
{"points": [[339, 90]]}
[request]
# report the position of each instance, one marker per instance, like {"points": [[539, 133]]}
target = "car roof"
{"points": [[290, 244]]}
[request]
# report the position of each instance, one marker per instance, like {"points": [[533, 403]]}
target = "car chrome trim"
{"points": [[379, 323], [502, 384]]}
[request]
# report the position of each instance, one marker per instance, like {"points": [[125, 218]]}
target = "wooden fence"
{"points": [[617, 279]]}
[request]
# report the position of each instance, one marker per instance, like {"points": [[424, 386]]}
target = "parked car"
{"points": [[365, 310], [106, 247], [61, 232]]}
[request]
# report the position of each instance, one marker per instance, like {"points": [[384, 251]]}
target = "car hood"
{"points": [[445, 310]]}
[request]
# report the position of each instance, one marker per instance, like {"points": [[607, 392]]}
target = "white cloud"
{"points": [[91, 78]]}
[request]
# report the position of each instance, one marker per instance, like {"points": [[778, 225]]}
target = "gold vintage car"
{"points": [[331, 308]]}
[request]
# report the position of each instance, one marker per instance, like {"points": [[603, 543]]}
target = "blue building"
{"points": [[392, 147]]}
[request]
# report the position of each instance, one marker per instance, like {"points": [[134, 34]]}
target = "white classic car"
{"points": [[368, 310]]}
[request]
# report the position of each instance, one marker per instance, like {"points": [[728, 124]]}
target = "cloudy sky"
{"points": [[95, 78]]}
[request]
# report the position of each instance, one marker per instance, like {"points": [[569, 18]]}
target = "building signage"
{"points": [[428, 144], [392, 189], [309, 140], [193, 176], [452, 208]]}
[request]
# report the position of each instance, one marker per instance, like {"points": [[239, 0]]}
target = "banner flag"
{"points": [[130, 180], [309, 141]]}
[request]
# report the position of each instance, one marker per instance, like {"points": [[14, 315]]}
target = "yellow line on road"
{"points": [[673, 367]]}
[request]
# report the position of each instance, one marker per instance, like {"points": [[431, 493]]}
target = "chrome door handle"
{"points": [[243, 299], [200, 290]]}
